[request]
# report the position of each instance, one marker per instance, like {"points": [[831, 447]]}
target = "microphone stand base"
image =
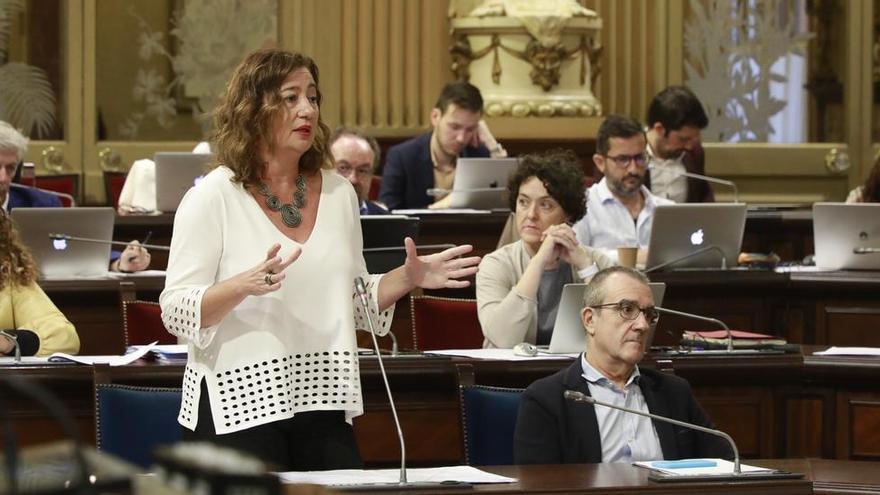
{"points": [[409, 485]]}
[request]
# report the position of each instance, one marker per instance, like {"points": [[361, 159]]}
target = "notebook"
{"points": [[481, 183], [175, 174], [845, 234], [61, 258], [383, 240], [681, 229], [568, 331]]}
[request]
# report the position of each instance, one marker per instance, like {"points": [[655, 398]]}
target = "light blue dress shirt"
{"points": [[608, 224], [625, 437]]}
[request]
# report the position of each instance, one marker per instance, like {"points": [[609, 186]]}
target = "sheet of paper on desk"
{"points": [[499, 354], [721, 467], [465, 474], [849, 351], [61, 357]]}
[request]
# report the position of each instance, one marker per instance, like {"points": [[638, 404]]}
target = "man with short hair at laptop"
{"points": [[620, 209], [428, 161], [675, 118], [356, 156], [13, 146], [617, 316]]}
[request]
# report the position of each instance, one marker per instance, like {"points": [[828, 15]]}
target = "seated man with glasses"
{"points": [[356, 156], [618, 317], [620, 209]]}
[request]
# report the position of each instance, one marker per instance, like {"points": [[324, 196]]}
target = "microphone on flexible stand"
{"points": [[65, 237], [574, 395], [713, 180], [702, 250], [361, 290]]}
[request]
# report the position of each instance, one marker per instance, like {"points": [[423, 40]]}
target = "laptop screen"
{"points": [[847, 235], [681, 230], [568, 331], [59, 258], [481, 183], [176, 173]]}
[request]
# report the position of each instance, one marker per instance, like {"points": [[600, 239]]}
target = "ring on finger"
{"points": [[268, 278]]}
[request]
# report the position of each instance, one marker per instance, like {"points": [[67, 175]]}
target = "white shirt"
{"points": [[666, 179], [6, 201], [625, 437], [285, 352], [139, 191], [608, 223]]}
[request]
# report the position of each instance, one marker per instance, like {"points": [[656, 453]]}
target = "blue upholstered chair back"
{"points": [[488, 418], [131, 421]]}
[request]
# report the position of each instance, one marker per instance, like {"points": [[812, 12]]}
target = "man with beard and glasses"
{"points": [[620, 209], [356, 155], [428, 161], [675, 119]]}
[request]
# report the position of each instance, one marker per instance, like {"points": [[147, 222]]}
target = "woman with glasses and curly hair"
{"points": [[27, 315], [261, 278], [519, 285]]}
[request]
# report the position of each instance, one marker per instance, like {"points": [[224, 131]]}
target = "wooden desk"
{"points": [[94, 309], [774, 406], [834, 308], [482, 230]]}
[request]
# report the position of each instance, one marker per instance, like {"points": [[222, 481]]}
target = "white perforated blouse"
{"points": [[289, 351]]}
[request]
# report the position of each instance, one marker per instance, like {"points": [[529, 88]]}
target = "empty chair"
{"points": [[142, 324], [131, 421], [113, 183], [66, 184], [445, 323], [488, 420]]}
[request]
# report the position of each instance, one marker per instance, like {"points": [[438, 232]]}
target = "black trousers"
{"points": [[310, 441]]}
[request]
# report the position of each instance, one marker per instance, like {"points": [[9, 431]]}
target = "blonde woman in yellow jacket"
{"points": [[26, 312]]}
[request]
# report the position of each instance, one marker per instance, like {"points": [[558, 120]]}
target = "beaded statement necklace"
{"points": [[290, 212]]}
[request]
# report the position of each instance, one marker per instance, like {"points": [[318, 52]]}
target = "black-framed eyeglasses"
{"points": [[629, 310], [623, 161]]}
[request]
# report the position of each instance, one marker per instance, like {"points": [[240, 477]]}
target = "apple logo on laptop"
{"points": [[863, 236], [697, 237], [59, 244]]}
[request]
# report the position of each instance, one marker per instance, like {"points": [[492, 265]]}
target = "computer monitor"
{"points": [[383, 240]]}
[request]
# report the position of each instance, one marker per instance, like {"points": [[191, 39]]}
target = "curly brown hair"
{"points": [[562, 176], [16, 263], [252, 100]]}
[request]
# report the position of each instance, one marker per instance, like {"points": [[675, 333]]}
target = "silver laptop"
{"points": [[568, 331], [59, 258], [847, 236], [175, 174], [481, 183], [681, 229]]}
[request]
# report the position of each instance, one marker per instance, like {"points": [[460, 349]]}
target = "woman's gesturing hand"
{"points": [[267, 275], [441, 269]]}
